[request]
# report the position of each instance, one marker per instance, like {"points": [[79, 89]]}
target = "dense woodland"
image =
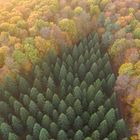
{"points": [[30, 30]]}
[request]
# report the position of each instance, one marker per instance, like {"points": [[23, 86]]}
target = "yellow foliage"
{"points": [[131, 10], [68, 26], [104, 2], [126, 68], [78, 10], [137, 68], [134, 137], [94, 10]]}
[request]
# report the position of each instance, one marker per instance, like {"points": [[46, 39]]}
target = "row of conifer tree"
{"points": [[67, 96]]}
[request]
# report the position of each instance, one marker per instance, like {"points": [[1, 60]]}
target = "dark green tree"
{"points": [[103, 128], [30, 123], [110, 117], [51, 84], [69, 60], [33, 108], [17, 125], [33, 94], [99, 98], [78, 107], [5, 129], [44, 135], [23, 86], [11, 85], [69, 100], [62, 135], [78, 123], [53, 129], [94, 121], [4, 108], [82, 71], [63, 72], [75, 53], [36, 130], [40, 100], [79, 135], [70, 114], [46, 121], [89, 78], [62, 107], [120, 127], [48, 108], [55, 101], [113, 135], [63, 122], [96, 135], [49, 94], [13, 136]]}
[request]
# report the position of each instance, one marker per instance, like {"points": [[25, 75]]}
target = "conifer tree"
{"points": [[78, 107], [62, 107], [17, 125], [23, 85], [36, 130], [46, 121], [93, 121], [63, 122], [96, 135], [12, 136], [5, 129], [79, 135], [62, 135], [103, 128], [53, 129], [44, 135], [70, 114], [78, 123], [30, 123]]}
